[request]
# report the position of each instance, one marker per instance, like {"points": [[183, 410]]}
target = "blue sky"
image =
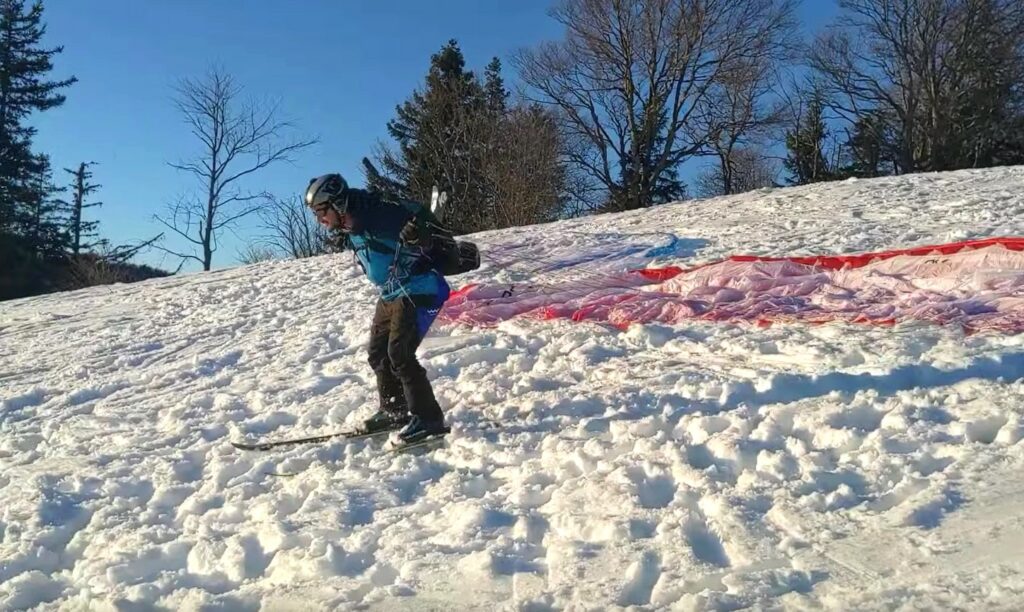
{"points": [[338, 69]]}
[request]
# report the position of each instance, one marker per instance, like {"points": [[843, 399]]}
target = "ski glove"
{"points": [[415, 234]]}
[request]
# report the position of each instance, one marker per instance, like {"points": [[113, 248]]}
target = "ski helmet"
{"points": [[325, 190]]}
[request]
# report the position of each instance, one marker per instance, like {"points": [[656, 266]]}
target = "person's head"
{"points": [[325, 197]]}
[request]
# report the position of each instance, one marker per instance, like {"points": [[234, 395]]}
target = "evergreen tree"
{"points": [[44, 223], [495, 124], [806, 142], [667, 187], [15, 166], [637, 184], [494, 89], [377, 182], [871, 148], [23, 90], [499, 164], [80, 230], [438, 134]]}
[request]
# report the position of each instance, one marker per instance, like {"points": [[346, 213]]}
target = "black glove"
{"points": [[413, 234]]}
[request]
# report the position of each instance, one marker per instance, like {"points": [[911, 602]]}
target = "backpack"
{"points": [[448, 255]]}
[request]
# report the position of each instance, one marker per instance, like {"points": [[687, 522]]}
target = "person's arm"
{"points": [[417, 231]]}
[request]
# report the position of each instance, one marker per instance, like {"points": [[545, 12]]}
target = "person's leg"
{"points": [[409, 324], [389, 388]]}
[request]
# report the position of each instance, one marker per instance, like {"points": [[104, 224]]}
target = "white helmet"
{"points": [[325, 190]]}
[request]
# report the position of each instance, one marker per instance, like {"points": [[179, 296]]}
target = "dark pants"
{"points": [[398, 328]]}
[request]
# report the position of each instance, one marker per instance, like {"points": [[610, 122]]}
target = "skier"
{"points": [[391, 241]]}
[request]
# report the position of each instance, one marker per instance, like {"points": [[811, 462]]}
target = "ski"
{"points": [[352, 434], [429, 442], [401, 447]]}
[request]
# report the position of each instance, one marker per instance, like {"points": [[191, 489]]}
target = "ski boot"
{"points": [[418, 429], [386, 420]]}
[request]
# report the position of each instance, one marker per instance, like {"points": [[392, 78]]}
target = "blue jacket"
{"points": [[397, 270]]}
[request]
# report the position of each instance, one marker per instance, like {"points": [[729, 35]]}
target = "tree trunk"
{"points": [[723, 160], [77, 214]]}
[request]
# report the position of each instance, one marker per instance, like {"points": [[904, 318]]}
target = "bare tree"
{"points": [[104, 267], [741, 113], [749, 168], [292, 230], [121, 254], [238, 138], [932, 67], [632, 76], [524, 170], [255, 253]]}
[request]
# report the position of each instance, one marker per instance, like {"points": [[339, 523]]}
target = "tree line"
{"points": [[913, 86], [609, 118], [47, 242]]}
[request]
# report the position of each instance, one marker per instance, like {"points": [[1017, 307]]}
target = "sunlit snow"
{"points": [[695, 465]]}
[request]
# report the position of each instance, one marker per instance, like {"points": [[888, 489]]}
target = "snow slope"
{"points": [[694, 466]]}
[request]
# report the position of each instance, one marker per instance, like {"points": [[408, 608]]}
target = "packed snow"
{"points": [[697, 465]]}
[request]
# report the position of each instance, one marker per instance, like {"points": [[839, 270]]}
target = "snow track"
{"points": [[699, 466]]}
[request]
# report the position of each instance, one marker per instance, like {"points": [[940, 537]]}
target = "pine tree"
{"points": [[80, 230], [494, 89], [438, 132], [635, 179], [871, 147], [44, 223], [23, 90], [500, 164], [378, 183], [806, 143]]}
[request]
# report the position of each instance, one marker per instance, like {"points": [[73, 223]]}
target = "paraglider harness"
{"points": [[446, 254]]}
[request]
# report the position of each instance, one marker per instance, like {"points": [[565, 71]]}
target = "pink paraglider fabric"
{"points": [[978, 285]]}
